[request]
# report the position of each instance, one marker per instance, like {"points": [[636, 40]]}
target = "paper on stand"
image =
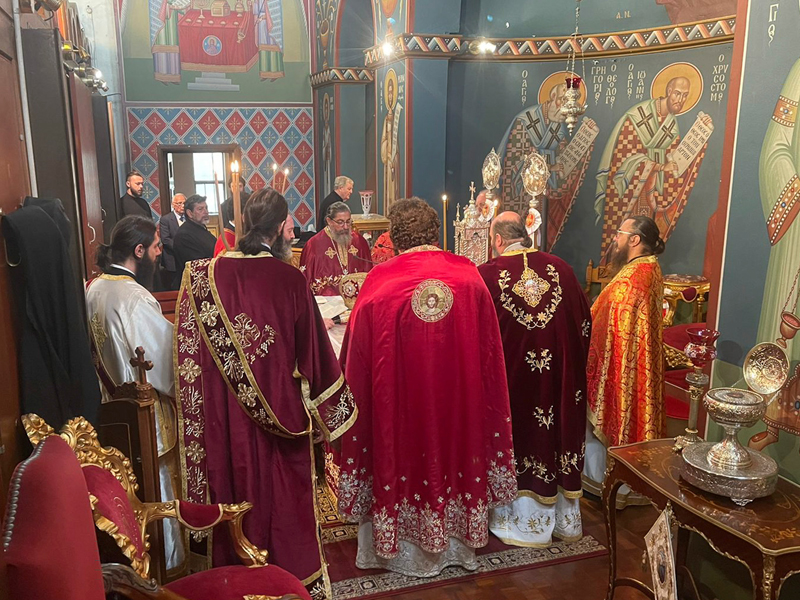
{"points": [[331, 306]]}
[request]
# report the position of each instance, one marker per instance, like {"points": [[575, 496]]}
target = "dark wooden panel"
{"points": [[91, 218], [104, 137], [13, 188]]}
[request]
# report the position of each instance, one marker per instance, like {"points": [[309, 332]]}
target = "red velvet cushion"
{"points": [[198, 516], [113, 504], [50, 550], [676, 408], [232, 583]]}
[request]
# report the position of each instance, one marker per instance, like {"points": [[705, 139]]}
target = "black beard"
{"points": [[145, 270], [281, 249], [619, 258]]}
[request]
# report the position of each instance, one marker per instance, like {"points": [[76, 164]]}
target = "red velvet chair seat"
{"points": [[235, 582], [677, 338]]}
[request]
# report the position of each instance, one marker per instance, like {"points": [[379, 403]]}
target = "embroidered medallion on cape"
{"points": [[432, 300]]}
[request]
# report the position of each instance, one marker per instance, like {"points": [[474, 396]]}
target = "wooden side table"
{"points": [[764, 535], [373, 226]]}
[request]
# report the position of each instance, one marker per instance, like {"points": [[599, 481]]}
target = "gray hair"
{"points": [[341, 181], [336, 208]]}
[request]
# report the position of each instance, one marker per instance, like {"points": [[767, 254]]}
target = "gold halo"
{"points": [[555, 79], [658, 89], [390, 76]]}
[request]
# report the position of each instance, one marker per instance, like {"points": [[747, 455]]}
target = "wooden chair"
{"points": [[116, 509], [167, 300], [601, 274]]}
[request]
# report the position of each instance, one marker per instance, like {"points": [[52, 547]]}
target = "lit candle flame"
{"points": [[235, 166]]}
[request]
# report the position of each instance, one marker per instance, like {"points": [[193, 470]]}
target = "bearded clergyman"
{"points": [[334, 252]]}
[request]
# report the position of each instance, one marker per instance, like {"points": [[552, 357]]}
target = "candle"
{"points": [[444, 219], [285, 180], [220, 220], [237, 209], [274, 173]]}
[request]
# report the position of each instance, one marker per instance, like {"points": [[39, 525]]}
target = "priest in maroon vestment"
{"points": [[334, 252], [431, 451], [545, 323], [256, 380]]}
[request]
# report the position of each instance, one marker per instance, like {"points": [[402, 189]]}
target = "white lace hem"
{"points": [[527, 522]]}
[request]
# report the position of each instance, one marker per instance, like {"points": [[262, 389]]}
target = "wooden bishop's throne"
{"points": [[72, 482]]}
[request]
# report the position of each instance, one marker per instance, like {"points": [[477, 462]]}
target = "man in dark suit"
{"points": [[342, 188], [132, 202], [193, 241], [169, 225]]}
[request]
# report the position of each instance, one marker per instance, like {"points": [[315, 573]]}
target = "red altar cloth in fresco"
{"points": [[217, 43]]}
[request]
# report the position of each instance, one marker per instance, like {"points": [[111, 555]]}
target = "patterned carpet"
{"points": [[351, 582]]}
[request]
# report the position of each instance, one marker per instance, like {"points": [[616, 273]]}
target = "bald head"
{"points": [[178, 201], [508, 228]]}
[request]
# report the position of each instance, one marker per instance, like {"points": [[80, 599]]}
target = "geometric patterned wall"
{"points": [[265, 135]]}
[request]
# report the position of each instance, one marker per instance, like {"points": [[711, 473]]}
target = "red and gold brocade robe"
{"points": [[545, 323], [625, 373], [324, 262], [431, 450], [255, 375]]}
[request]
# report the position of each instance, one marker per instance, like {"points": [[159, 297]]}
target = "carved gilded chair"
{"points": [[119, 512]]}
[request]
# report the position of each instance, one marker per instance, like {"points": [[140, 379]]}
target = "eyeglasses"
{"points": [[620, 232], [342, 223]]}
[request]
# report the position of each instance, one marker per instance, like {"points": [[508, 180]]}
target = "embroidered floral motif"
{"points": [[267, 338], [195, 452], [219, 338], [245, 330], [200, 284], [188, 343], [191, 400], [568, 461], [523, 317], [232, 365], [303, 269], [193, 428], [196, 480], [353, 250], [208, 313], [320, 283], [540, 363], [189, 370], [187, 319], [330, 252], [317, 592], [586, 327], [578, 396], [538, 469], [337, 415], [544, 421], [98, 332], [247, 395], [432, 300]]}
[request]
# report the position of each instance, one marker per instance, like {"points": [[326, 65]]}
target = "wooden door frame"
{"points": [[231, 151]]}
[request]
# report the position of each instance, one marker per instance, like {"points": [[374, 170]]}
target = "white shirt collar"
{"points": [[116, 266]]}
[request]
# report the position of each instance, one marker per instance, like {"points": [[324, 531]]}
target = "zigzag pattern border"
{"points": [[342, 75], [712, 31]]}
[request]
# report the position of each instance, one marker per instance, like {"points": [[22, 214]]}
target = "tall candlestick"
{"points": [[237, 209], [444, 219], [220, 220], [285, 180]]}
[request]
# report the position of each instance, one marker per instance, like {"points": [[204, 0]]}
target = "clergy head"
{"points": [[134, 247], [557, 97], [637, 236], [413, 222], [340, 223], [196, 209], [508, 229], [134, 184], [264, 222], [178, 201], [678, 89], [343, 186]]}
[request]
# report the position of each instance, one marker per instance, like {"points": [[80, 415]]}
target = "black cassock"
{"points": [[57, 377], [192, 242]]}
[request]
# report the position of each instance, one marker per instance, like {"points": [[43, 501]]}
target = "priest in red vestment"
{"points": [[625, 372], [256, 380], [334, 252], [431, 451], [545, 323]]}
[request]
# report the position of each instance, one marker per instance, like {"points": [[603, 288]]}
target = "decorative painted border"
{"points": [[342, 75], [265, 135], [711, 31]]}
